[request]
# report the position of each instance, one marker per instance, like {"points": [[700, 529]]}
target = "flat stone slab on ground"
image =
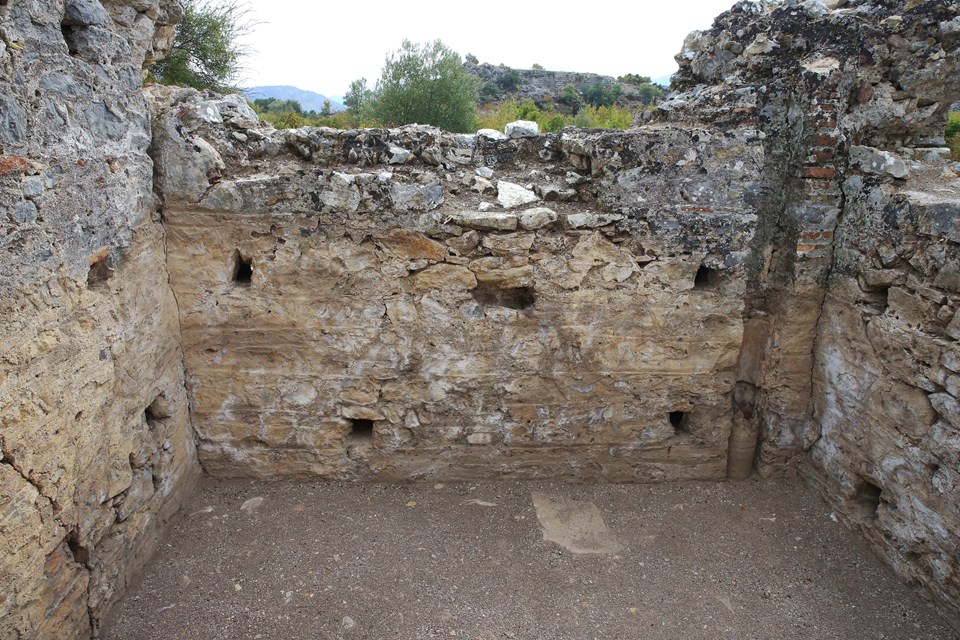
{"points": [[575, 525]]}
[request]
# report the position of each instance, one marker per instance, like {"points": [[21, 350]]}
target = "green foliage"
{"points": [[569, 97], [582, 119], [289, 120], [489, 92], [650, 93], [275, 105], [554, 123], [609, 117], [206, 53], [953, 133], [327, 109], [472, 59], [537, 66], [509, 81], [426, 84], [551, 121], [598, 95], [528, 110], [357, 100], [634, 78], [953, 124]]}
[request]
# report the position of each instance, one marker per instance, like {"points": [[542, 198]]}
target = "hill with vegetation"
{"points": [[308, 100]]}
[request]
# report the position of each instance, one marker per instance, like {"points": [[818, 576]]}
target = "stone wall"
{"points": [[96, 448], [853, 295], [399, 304], [762, 276]]}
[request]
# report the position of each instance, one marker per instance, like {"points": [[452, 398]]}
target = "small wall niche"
{"points": [[242, 269], [157, 410], [706, 277], [360, 429], [513, 298], [680, 421], [867, 498], [99, 273]]}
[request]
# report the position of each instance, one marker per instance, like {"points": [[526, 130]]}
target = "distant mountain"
{"points": [[309, 100], [663, 81]]}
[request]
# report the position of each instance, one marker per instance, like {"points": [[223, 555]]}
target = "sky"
{"points": [[323, 46]]}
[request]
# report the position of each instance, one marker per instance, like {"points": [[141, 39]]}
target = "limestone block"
{"points": [[536, 218], [511, 196], [509, 243], [340, 193], [588, 220], [485, 220], [522, 129], [878, 162], [410, 245], [442, 276]]}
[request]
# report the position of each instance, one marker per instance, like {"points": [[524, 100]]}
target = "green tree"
{"points": [[600, 96], [569, 97], [509, 81], [327, 108], [426, 84], [650, 93], [206, 51], [357, 99]]}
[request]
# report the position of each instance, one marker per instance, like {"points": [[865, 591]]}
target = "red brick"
{"points": [[818, 172], [13, 164]]}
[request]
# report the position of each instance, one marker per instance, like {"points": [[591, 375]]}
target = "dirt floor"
{"points": [[523, 561]]}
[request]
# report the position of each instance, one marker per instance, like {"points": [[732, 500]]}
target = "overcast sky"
{"points": [[322, 46]]}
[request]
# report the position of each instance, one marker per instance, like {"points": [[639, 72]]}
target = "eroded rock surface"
{"points": [[97, 452], [335, 328]]}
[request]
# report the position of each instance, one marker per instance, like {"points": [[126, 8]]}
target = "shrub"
{"points": [[953, 124], [569, 97], [598, 95], [509, 81], [489, 91], [555, 123], [953, 134]]}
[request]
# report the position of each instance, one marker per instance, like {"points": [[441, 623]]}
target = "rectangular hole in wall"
{"points": [[706, 277], [361, 429], [680, 420], [511, 298], [242, 269], [867, 498]]}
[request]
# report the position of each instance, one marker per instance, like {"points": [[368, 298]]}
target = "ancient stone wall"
{"points": [[853, 291], [96, 448], [402, 304], [762, 276]]}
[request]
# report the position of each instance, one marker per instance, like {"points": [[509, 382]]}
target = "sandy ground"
{"points": [[751, 560]]}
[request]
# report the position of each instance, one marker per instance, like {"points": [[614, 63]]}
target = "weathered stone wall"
{"points": [[533, 339], [764, 275], [96, 449], [853, 292]]}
